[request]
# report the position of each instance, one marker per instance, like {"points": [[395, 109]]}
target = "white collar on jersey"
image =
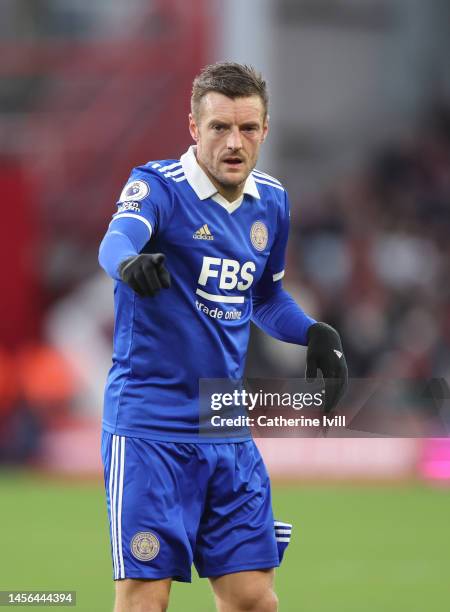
{"points": [[205, 188]]}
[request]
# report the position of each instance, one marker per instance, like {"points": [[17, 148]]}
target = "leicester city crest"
{"points": [[145, 546], [259, 235]]}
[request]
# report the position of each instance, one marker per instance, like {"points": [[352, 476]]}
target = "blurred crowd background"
{"points": [[360, 120]]}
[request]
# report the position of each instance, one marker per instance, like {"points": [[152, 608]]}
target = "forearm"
{"points": [[281, 317], [114, 249]]}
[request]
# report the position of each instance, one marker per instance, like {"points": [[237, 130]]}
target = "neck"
{"points": [[229, 192]]}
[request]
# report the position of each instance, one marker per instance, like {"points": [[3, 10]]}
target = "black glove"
{"points": [[145, 274], [325, 352]]}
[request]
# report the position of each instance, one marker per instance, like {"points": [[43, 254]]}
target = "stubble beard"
{"points": [[228, 181]]}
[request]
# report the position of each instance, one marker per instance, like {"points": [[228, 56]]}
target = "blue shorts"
{"points": [[173, 504]]}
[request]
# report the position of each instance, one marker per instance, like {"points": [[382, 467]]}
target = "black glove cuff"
{"points": [[123, 264], [322, 332]]}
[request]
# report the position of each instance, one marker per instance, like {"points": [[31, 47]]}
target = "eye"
{"points": [[218, 128], [250, 129]]}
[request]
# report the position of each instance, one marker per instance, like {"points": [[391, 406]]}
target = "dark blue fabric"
{"points": [[207, 504], [279, 315]]}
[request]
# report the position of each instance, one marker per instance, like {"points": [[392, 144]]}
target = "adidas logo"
{"points": [[203, 233], [338, 353]]}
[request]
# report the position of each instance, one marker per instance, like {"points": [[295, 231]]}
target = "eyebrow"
{"points": [[217, 122], [246, 124]]}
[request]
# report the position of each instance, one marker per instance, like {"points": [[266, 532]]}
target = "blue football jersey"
{"points": [[219, 255]]}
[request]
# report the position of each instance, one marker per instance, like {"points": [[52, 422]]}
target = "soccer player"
{"points": [[197, 249]]}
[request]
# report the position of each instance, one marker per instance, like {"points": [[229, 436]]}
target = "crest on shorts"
{"points": [[259, 235], [145, 546], [135, 191]]}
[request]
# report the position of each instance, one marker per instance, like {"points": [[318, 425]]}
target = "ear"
{"points": [[193, 129], [265, 129]]}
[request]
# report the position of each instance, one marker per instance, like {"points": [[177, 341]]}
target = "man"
{"points": [[200, 235]]}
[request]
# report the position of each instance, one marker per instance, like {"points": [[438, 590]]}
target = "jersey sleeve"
{"points": [[143, 209], [270, 280], [274, 310]]}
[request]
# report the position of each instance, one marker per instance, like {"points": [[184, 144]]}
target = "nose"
{"points": [[234, 139]]}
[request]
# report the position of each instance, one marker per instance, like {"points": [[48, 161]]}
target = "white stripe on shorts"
{"points": [[116, 477], [119, 509], [112, 504]]}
